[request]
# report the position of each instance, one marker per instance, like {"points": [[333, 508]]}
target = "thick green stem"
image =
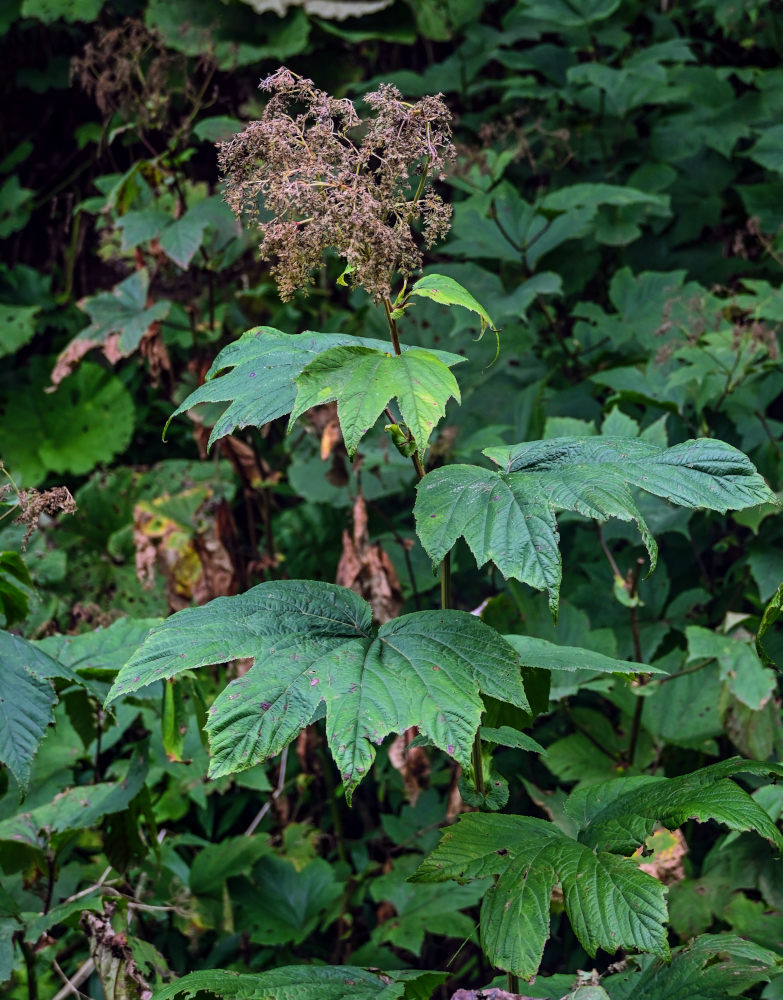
{"points": [[477, 764], [513, 983], [395, 337], [445, 582], [29, 961]]}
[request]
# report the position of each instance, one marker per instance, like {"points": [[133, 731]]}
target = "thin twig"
{"points": [[70, 986], [273, 797], [607, 553]]}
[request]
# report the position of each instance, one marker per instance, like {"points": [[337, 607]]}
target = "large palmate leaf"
{"points": [[618, 815], [363, 381], [27, 702], [315, 642], [258, 375], [611, 903], [305, 982], [508, 516]]}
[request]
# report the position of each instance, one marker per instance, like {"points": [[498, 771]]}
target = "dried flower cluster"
{"points": [[332, 180], [128, 69], [32, 504]]}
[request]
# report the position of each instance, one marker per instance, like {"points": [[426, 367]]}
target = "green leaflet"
{"points": [[258, 375], [363, 381], [315, 642], [449, 292], [509, 516], [17, 326], [305, 982], [611, 903], [618, 815], [27, 701], [768, 619]]}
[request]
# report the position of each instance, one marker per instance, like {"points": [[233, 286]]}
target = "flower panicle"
{"points": [[332, 180]]}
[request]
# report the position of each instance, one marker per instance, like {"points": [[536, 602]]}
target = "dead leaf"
{"points": [[367, 569], [668, 848], [307, 753], [154, 352], [331, 436], [190, 553], [118, 972], [412, 763], [455, 805]]}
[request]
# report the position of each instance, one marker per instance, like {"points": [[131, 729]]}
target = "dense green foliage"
{"points": [[581, 428]]}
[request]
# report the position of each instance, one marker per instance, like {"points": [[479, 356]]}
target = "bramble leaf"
{"points": [[258, 375], [363, 381], [509, 516], [315, 642], [711, 967], [618, 815], [611, 903]]}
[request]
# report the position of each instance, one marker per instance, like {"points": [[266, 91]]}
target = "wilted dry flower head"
{"points": [[333, 180]]}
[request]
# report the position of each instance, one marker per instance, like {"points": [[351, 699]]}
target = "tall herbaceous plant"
{"points": [[314, 177]]}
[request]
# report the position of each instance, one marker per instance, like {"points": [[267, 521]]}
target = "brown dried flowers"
{"points": [[333, 180]]}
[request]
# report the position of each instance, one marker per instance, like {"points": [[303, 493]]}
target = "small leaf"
{"points": [[546, 655], [448, 292], [363, 381], [505, 736], [17, 326], [768, 619], [313, 643]]}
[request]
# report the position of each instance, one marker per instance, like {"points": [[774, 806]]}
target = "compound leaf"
{"points": [[258, 375], [508, 516], [618, 815], [611, 903], [363, 380], [314, 642]]}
